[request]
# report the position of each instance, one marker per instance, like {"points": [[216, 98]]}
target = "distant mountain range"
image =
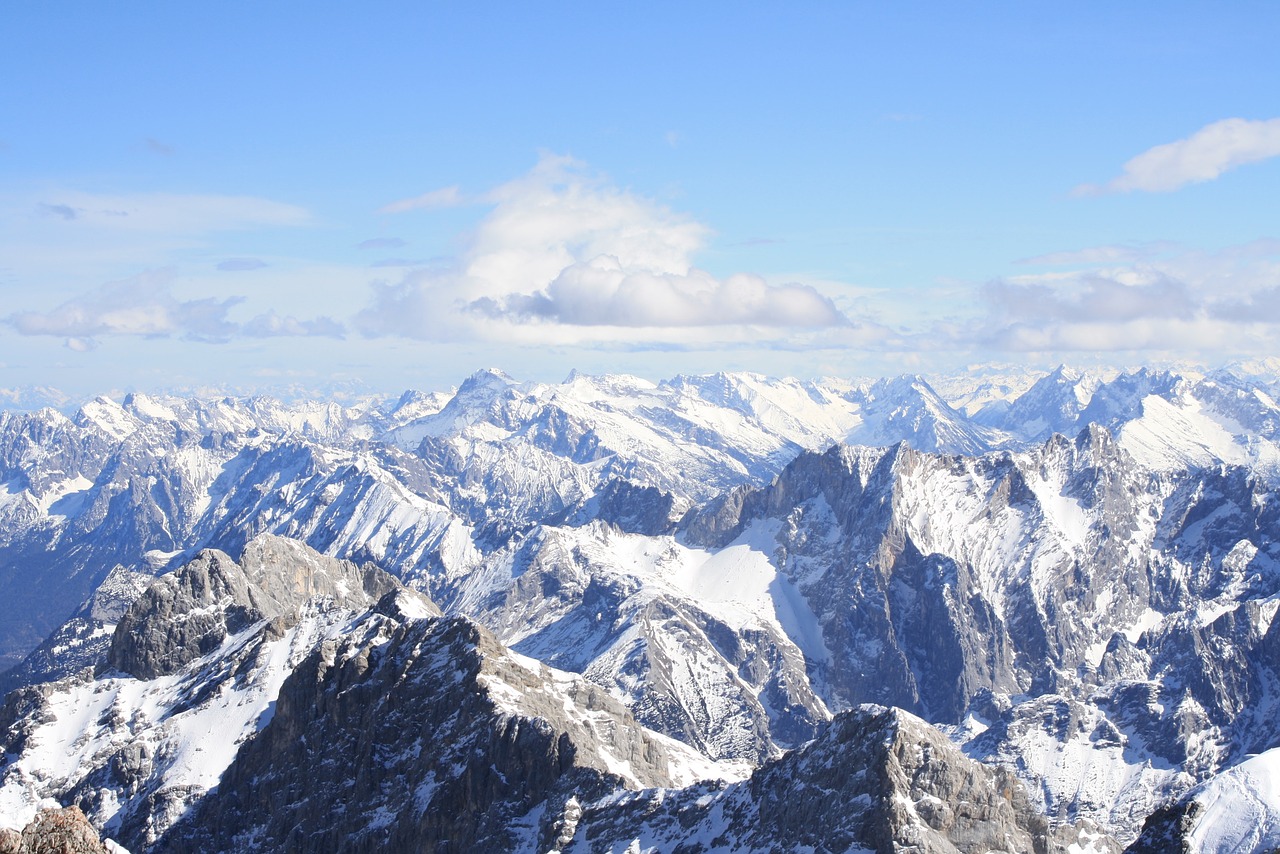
{"points": [[609, 614]]}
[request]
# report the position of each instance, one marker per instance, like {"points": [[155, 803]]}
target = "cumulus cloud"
{"points": [[236, 265], [145, 306], [445, 197], [1203, 156], [1261, 306], [561, 250], [601, 293]]}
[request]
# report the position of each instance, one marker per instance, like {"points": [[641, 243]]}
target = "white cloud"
{"points": [[80, 345], [562, 252], [1203, 156], [1110, 254], [1091, 298], [445, 197], [1133, 335], [1260, 306], [145, 306], [1205, 302], [169, 212], [602, 293], [381, 243], [272, 325]]}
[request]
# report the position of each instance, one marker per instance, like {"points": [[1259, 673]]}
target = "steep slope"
{"points": [[209, 646], [1167, 421], [422, 735], [1052, 405], [81, 642], [1235, 812], [230, 663], [430, 484], [1094, 611], [689, 638], [1144, 604], [118, 484], [874, 780], [907, 409], [148, 482]]}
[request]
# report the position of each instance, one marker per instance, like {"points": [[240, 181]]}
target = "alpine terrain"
{"points": [[1031, 613]]}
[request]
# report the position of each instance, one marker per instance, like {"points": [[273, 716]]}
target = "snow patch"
{"points": [[1240, 808]]}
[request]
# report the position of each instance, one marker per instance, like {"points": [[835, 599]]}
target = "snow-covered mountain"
{"points": [[270, 704], [1077, 581]]}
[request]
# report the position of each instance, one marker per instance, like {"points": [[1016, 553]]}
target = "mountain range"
{"points": [[611, 614]]}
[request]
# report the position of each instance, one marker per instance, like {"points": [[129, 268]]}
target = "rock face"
{"points": [[874, 779], [209, 647], [54, 831], [279, 684], [190, 612], [1133, 612], [734, 688], [1095, 610], [425, 736]]}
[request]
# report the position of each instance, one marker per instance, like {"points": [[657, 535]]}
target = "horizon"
{"points": [[382, 199], [951, 386]]}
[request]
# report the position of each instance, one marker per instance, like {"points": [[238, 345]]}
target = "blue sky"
{"points": [[256, 196]]}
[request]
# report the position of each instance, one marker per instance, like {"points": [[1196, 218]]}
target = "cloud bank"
{"points": [[1226, 301], [1203, 156], [145, 306]]}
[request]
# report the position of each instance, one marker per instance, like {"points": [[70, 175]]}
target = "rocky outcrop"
{"points": [[191, 611], [426, 736], [875, 779], [55, 831], [208, 647]]}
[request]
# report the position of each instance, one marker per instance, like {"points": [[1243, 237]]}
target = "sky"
{"points": [[334, 198]]}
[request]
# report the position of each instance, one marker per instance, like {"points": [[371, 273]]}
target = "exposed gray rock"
{"points": [[54, 831], [226, 635], [875, 779], [189, 612], [733, 692], [1167, 830], [425, 736]]}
